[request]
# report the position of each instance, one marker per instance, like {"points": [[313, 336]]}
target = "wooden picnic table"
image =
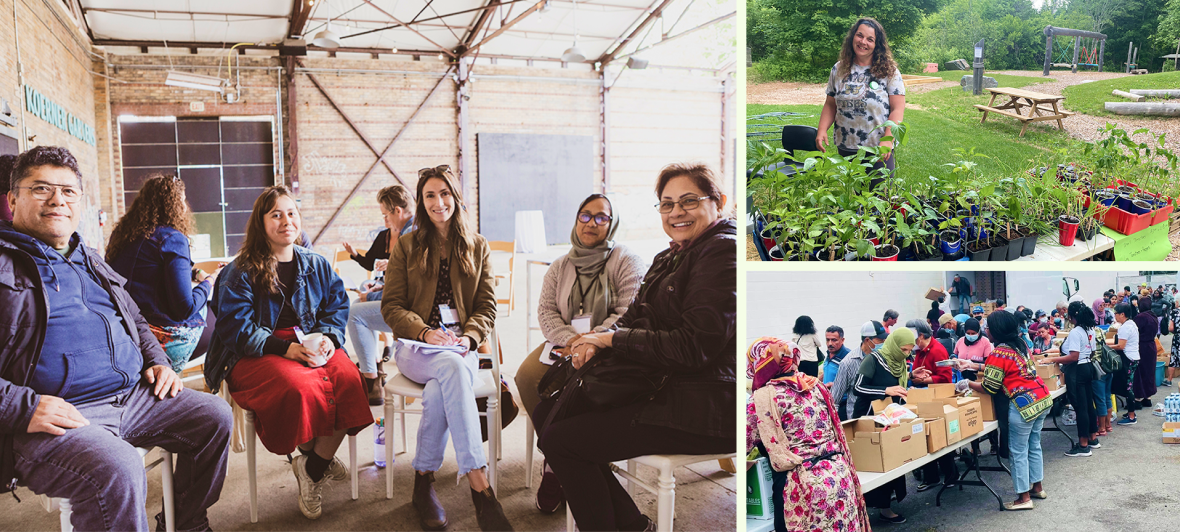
{"points": [[1041, 107]]}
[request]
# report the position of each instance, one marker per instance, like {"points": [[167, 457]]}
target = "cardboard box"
{"points": [[970, 414], [948, 414], [1171, 432], [935, 435], [933, 294], [759, 489], [931, 393], [878, 449], [987, 407]]}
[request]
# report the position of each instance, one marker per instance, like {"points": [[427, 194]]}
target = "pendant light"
{"points": [[574, 54], [327, 38]]}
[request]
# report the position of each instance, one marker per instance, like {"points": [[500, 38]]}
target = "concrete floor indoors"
{"points": [[705, 494]]}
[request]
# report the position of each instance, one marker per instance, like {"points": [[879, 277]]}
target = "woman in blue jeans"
{"points": [[439, 291], [364, 316], [1009, 369]]}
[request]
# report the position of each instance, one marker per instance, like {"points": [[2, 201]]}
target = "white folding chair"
{"points": [[252, 466], [400, 387], [666, 489], [165, 458]]}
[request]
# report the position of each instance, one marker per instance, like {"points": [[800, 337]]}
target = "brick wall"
{"points": [[56, 62], [657, 118]]}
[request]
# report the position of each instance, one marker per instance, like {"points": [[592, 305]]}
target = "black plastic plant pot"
{"points": [[975, 254], [1016, 247], [1000, 247], [935, 255], [1030, 245], [1086, 233]]}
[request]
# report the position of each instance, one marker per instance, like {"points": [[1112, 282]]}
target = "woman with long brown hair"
{"points": [[149, 246], [439, 291], [281, 313], [864, 90]]}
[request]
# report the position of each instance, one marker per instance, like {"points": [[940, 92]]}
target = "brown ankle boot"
{"points": [[430, 510], [375, 388], [488, 511]]}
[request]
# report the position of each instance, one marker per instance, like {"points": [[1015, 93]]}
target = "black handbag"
{"points": [[603, 383]]}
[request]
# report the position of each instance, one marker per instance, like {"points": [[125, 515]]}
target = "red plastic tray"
{"points": [[1161, 215], [1125, 222]]}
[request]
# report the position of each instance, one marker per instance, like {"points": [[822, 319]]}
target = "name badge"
{"points": [[581, 323], [448, 315]]}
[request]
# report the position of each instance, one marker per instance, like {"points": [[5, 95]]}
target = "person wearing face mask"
{"points": [[793, 421], [586, 290], [364, 317], [683, 325], [973, 346], [864, 90], [883, 374], [439, 291], [303, 398], [1126, 342], [1043, 341], [836, 353], [872, 334]]}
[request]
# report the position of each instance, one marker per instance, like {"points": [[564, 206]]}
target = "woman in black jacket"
{"points": [[681, 325]]}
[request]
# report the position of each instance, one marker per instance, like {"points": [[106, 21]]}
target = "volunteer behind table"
{"points": [[864, 90], [1010, 370], [927, 354], [973, 346], [883, 374]]}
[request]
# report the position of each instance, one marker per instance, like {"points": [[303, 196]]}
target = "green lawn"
{"points": [[1089, 98]]}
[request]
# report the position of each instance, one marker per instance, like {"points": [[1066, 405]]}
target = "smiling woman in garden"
{"points": [[864, 91]]}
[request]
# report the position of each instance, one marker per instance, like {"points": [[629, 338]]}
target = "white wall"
{"points": [[1042, 290], [847, 299]]}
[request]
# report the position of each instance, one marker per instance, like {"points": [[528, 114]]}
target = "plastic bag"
{"points": [[893, 414]]}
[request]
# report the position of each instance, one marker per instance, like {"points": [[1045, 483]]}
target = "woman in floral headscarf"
{"points": [[793, 421]]}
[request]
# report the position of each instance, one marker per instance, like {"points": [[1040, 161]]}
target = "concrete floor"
{"points": [[705, 496], [1127, 485]]}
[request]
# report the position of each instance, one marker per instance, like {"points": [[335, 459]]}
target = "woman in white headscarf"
{"points": [[584, 291]]}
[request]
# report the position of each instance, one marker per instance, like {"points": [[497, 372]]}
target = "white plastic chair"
{"points": [[252, 466], [666, 489], [401, 387], [53, 504]]}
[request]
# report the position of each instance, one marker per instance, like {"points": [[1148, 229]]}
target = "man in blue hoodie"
{"points": [[83, 380]]}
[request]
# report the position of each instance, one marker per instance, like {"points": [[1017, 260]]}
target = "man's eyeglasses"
{"points": [[687, 204], [45, 192], [600, 219]]}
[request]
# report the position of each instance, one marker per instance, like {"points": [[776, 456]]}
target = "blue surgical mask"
{"points": [[1057, 322], [972, 337]]}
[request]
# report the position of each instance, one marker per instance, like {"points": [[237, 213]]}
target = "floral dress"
{"points": [[819, 496]]}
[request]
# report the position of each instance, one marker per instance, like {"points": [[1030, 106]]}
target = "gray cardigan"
{"points": [[625, 270]]}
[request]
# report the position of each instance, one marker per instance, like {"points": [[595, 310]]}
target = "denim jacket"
{"points": [[246, 313], [159, 272]]}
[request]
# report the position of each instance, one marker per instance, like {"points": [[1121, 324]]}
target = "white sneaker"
{"points": [[337, 471], [310, 492]]}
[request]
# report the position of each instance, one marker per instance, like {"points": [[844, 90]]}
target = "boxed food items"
{"points": [[935, 434], [930, 393], [949, 416], [970, 414], [878, 449], [987, 407], [1171, 432]]}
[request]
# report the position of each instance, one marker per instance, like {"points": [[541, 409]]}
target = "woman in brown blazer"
{"points": [[439, 291]]}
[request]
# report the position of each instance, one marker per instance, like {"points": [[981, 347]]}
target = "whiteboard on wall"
{"points": [[520, 172]]}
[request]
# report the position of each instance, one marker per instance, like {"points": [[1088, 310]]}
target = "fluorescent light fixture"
{"points": [[636, 63], [194, 81]]}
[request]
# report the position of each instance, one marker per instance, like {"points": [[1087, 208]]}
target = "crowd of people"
{"points": [[91, 347], [993, 355]]}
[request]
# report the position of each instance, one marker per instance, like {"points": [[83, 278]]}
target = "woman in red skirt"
{"points": [[281, 313]]}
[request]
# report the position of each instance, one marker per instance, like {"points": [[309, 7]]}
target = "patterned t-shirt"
{"points": [[862, 103]]}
